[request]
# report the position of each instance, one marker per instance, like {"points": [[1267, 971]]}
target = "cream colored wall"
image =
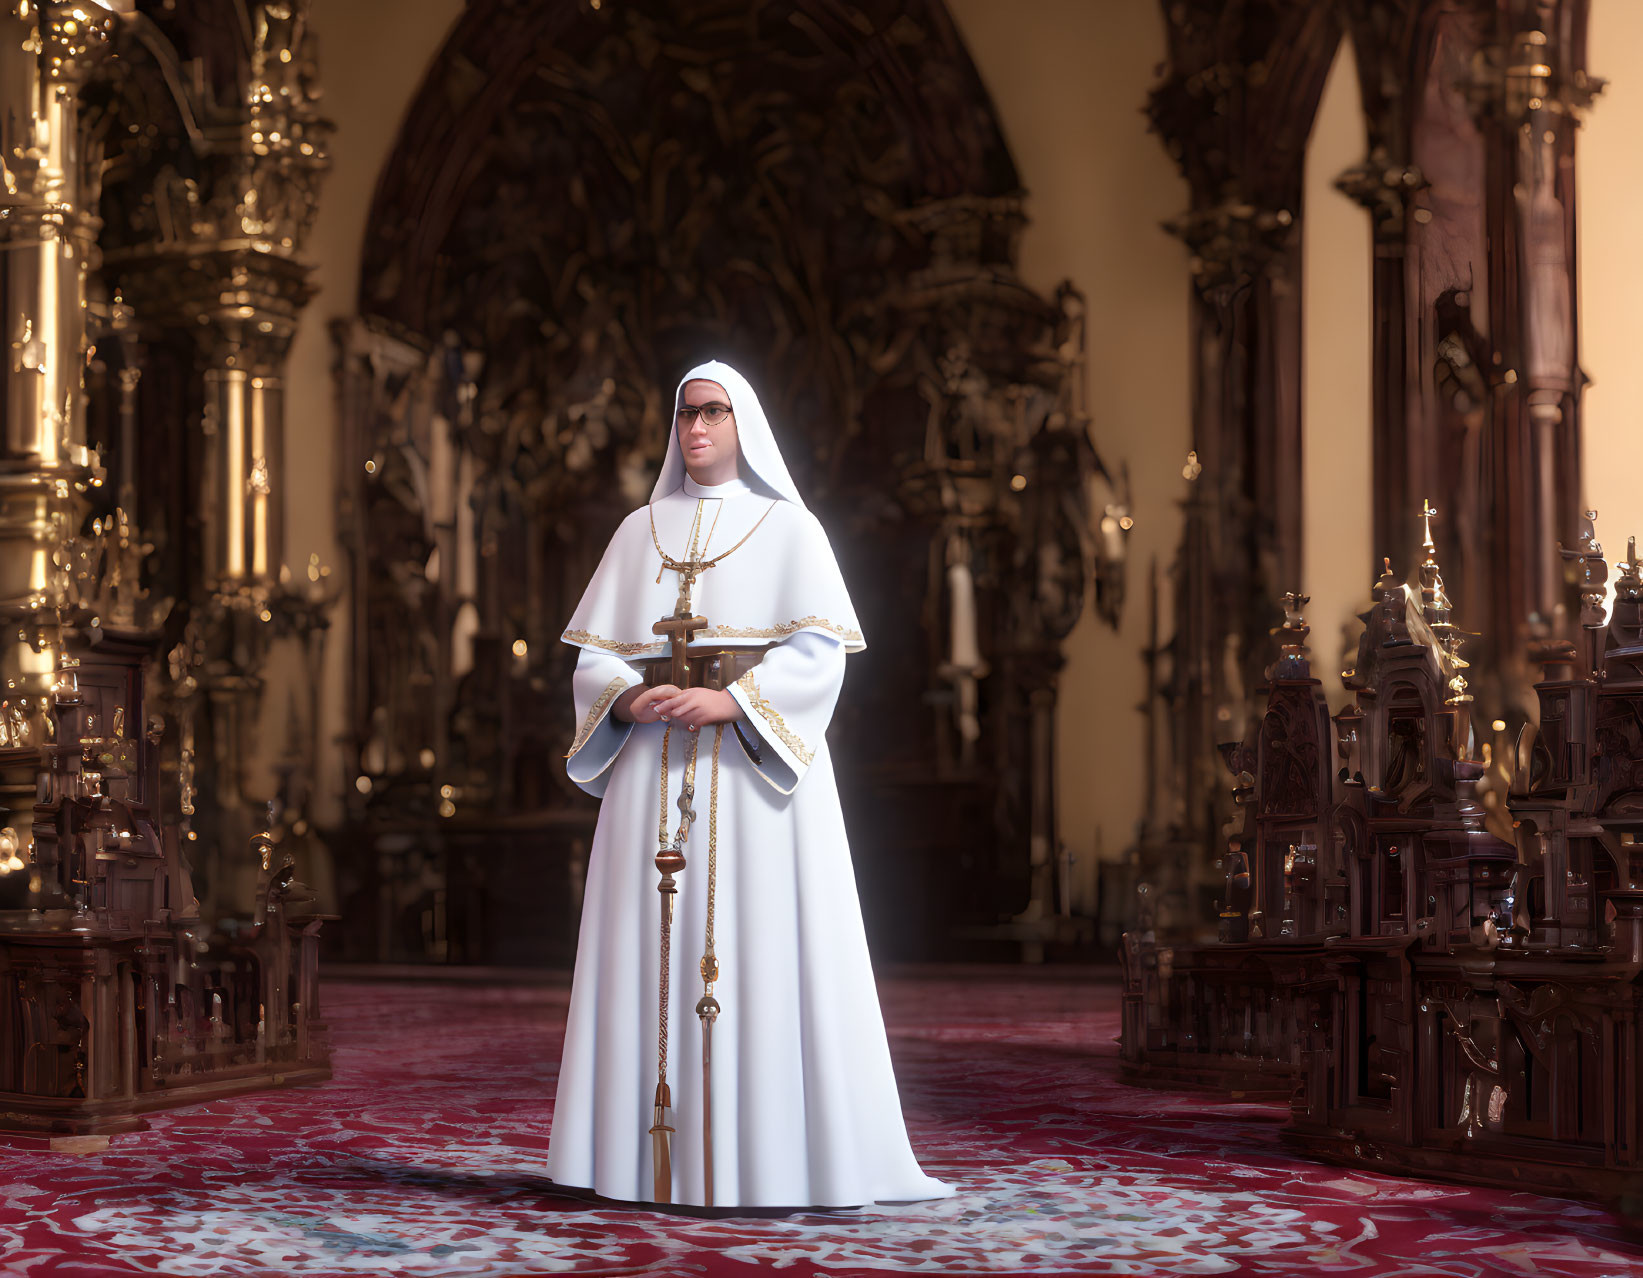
{"points": [[1609, 197], [1336, 397], [1068, 79], [1099, 184]]}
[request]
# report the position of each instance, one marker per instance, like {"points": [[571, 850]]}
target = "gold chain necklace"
{"points": [[693, 568]]}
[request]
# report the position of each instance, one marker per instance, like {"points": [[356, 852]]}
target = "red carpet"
{"points": [[424, 1156]]}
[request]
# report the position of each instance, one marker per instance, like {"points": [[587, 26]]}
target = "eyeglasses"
{"points": [[712, 414]]}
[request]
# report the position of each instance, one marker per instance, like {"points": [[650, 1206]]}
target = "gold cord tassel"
{"points": [[660, 1135], [670, 860], [707, 1007]]}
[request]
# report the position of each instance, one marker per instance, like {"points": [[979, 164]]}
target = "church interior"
{"points": [[1217, 410]]}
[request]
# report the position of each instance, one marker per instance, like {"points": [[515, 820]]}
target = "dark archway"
{"points": [[586, 199], [896, 67], [588, 194]]}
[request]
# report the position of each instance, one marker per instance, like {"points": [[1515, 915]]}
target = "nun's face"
{"points": [[707, 433]]}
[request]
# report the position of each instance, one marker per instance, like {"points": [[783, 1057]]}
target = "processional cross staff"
{"points": [[678, 626]]}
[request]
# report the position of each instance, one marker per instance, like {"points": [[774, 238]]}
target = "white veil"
{"points": [[785, 582], [759, 452]]}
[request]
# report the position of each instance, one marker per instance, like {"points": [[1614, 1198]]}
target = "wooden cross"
{"points": [[678, 628]]}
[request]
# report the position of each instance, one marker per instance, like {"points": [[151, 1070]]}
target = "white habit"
{"points": [[805, 1108]]}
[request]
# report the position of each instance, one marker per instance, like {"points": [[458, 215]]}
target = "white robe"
{"points": [[805, 1107]]}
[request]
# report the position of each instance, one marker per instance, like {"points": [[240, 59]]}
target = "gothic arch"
{"points": [[596, 197], [904, 54], [586, 199]]}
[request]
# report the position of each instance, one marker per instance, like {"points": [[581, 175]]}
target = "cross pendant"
{"points": [[688, 572]]}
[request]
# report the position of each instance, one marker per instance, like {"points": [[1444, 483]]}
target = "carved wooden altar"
{"points": [[1439, 956], [156, 948], [1487, 1023], [1227, 1014]]}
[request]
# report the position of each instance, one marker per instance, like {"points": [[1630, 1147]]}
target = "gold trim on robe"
{"points": [[649, 647], [612, 645], [782, 631], [789, 738], [596, 712]]}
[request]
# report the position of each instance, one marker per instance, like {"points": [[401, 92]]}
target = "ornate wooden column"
{"points": [[49, 240], [1385, 183], [1471, 112], [1235, 107], [116, 997], [1529, 94], [1002, 491], [211, 265]]}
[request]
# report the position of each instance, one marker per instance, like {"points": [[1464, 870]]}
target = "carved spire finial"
{"points": [[1292, 660], [1436, 603], [1587, 556], [1436, 606], [1630, 583]]}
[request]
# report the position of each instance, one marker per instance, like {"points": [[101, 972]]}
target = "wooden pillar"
{"points": [[1235, 106], [1471, 110]]}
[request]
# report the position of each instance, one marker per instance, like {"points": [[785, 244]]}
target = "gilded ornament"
{"points": [[596, 712], [779, 725]]}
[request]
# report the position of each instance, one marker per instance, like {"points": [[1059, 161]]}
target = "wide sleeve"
{"points": [[600, 678], [787, 700]]}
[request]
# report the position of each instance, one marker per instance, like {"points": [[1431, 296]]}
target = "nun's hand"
{"points": [[639, 704], [698, 707]]}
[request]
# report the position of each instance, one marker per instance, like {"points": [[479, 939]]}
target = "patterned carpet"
{"points": [[423, 1156]]}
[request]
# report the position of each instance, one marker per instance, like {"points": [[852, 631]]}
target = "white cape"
{"points": [[805, 1106]]}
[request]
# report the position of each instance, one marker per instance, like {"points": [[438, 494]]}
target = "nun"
{"points": [[724, 1045]]}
